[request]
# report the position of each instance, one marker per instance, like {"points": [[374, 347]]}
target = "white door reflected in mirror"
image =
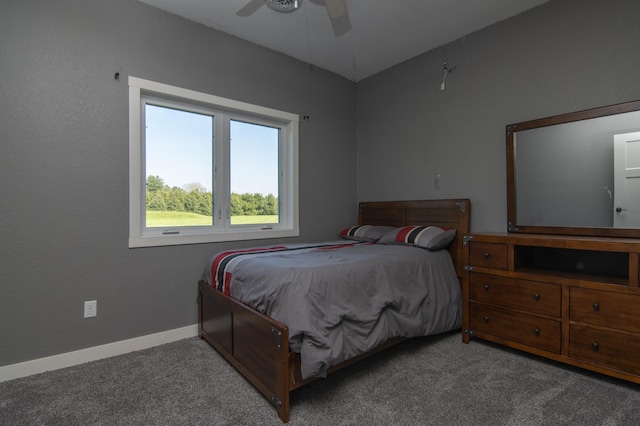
{"points": [[626, 199]]}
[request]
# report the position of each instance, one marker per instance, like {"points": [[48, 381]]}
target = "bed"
{"points": [[267, 351]]}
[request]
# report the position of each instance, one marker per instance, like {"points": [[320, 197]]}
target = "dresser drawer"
{"points": [[604, 308], [531, 296], [607, 349], [537, 332], [488, 255]]}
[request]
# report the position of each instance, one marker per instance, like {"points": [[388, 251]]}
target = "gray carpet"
{"points": [[428, 381]]}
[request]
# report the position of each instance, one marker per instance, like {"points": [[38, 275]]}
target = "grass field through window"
{"points": [[157, 219]]}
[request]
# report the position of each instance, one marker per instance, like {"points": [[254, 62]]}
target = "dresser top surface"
{"points": [[562, 241]]}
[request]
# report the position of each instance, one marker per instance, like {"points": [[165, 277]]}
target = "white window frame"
{"points": [[140, 91]]}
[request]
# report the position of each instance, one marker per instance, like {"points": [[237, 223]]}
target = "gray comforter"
{"points": [[341, 299]]}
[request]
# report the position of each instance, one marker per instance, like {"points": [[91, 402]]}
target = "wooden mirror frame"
{"points": [[512, 220]]}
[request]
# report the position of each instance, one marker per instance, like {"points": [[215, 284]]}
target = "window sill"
{"points": [[174, 240]]}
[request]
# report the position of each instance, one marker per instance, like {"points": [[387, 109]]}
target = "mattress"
{"points": [[340, 299]]}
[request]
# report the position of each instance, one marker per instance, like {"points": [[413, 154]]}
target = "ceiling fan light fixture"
{"points": [[284, 6]]}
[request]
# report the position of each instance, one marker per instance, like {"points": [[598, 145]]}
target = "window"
{"points": [[206, 169]]}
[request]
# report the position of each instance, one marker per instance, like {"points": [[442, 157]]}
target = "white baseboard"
{"points": [[36, 366]]}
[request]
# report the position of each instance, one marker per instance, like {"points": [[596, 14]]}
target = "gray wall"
{"points": [[64, 147], [64, 164], [563, 56]]}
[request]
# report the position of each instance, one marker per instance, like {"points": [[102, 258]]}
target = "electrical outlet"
{"points": [[90, 308]]}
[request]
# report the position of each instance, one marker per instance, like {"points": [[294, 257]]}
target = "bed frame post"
{"points": [[282, 378]]}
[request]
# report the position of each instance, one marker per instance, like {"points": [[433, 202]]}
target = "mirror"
{"points": [[576, 174]]}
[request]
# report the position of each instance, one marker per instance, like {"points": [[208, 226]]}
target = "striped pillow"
{"points": [[367, 233], [429, 237]]}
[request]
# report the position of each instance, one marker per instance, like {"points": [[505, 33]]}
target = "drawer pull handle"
{"points": [[595, 346], [536, 296], [485, 319], [596, 307], [536, 331], [486, 254], [486, 287]]}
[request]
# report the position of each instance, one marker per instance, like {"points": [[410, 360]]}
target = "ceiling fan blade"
{"points": [[339, 16], [250, 8]]}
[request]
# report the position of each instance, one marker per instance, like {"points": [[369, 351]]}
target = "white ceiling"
{"points": [[383, 34]]}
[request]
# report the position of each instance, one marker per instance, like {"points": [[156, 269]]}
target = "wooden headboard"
{"points": [[452, 213]]}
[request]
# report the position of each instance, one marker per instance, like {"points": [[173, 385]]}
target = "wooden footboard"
{"points": [[258, 346]]}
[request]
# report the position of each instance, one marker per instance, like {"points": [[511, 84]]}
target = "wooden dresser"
{"points": [[571, 299]]}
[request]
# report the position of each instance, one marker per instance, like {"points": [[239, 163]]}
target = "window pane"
{"points": [[254, 173], [178, 152]]}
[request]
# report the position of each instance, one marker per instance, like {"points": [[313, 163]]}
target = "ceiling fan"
{"points": [[337, 10]]}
